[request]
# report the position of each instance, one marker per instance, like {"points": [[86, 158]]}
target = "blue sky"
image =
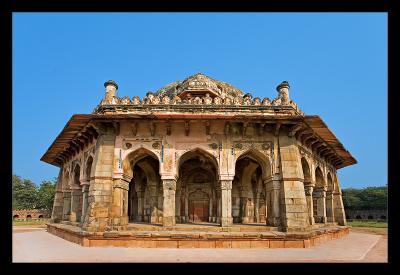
{"points": [[336, 64]]}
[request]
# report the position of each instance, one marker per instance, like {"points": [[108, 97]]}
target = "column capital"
{"points": [[226, 177], [169, 184], [225, 184], [120, 183], [308, 190], [84, 182], [272, 185]]}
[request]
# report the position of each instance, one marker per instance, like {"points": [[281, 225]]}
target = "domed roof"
{"points": [[200, 83]]}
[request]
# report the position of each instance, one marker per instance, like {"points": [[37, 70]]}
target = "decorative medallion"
{"points": [[156, 145], [213, 146], [266, 146], [128, 145], [238, 146]]}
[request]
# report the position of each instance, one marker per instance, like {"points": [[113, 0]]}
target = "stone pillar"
{"points": [[339, 213], [169, 187], [186, 207], [178, 209], [76, 206], [218, 220], [210, 205], [329, 207], [294, 212], [119, 209], [308, 189], [57, 211], [257, 206], [139, 214], [100, 190], [272, 202], [226, 202], [85, 192], [320, 194], [67, 205], [153, 204]]}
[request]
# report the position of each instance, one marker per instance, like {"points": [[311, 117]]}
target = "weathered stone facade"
{"points": [[197, 150], [30, 214]]}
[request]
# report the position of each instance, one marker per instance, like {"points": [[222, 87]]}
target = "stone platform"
{"points": [[199, 236]]}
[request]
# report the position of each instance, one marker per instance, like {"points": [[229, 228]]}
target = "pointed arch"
{"points": [[260, 158], [319, 178], [134, 157], [306, 170], [193, 153], [330, 182], [88, 167]]}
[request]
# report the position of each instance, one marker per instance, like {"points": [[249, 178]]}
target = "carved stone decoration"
{"points": [[156, 100], [197, 100], [135, 100], [217, 101], [247, 99], [257, 101], [266, 102], [128, 145], [156, 145], [238, 146], [169, 184], [125, 100], [176, 100], [149, 98], [237, 101], [166, 100], [266, 146], [213, 146], [226, 185], [228, 101], [207, 99], [276, 102]]}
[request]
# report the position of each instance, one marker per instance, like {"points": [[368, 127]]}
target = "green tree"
{"points": [[46, 193], [24, 193], [370, 198]]}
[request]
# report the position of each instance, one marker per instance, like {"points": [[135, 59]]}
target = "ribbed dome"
{"points": [[200, 83]]}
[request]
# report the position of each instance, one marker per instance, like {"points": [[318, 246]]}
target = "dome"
{"points": [[199, 84]]}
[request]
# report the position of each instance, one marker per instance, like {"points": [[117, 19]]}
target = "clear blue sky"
{"points": [[336, 64]]}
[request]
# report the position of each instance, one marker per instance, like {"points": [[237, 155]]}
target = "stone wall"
{"points": [[30, 214], [366, 214]]}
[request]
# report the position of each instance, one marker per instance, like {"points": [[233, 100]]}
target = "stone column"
{"points": [[186, 207], [294, 212], [339, 213], [76, 206], [218, 220], [67, 205], [57, 211], [210, 205], [272, 201], [169, 187], [139, 214], [178, 208], [119, 209], [100, 190], [329, 207], [153, 204], [85, 192], [226, 202], [320, 194], [256, 207], [308, 189]]}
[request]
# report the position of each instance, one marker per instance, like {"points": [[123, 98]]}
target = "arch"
{"points": [[358, 217], [88, 170], [319, 178], [29, 216], [77, 173], [40, 217], [306, 170], [133, 157], [259, 157], [370, 217], [198, 206], [330, 182], [195, 152], [15, 217], [383, 217]]}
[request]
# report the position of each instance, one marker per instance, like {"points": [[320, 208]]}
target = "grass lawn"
{"points": [[31, 222], [369, 227]]}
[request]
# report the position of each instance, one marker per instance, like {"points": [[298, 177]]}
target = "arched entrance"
{"points": [[196, 197], [249, 202], [308, 189], [144, 196], [319, 203], [199, 206]]}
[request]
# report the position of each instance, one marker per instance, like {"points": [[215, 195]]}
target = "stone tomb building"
{"points": [[197, 151]]}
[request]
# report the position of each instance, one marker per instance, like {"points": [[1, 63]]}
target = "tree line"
{"points": [[27, 195], [369, 198]]}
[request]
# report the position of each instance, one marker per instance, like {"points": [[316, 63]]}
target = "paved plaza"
{"points": [[32, 244]]}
